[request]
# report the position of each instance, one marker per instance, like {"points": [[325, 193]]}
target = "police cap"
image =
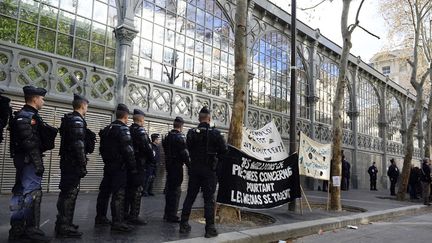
{"points": [[122, 107], [138, 112], [179, 120], [78, 97], [31, 90], [204, 110], [155, 136]]}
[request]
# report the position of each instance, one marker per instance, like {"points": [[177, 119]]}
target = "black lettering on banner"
{"points": [[247, 182]]}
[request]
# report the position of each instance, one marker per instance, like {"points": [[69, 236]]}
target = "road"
{"points": [[407, 229]]}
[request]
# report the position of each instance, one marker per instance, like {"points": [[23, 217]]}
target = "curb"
{"points": [[300, 229]]}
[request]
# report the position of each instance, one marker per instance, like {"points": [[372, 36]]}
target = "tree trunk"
{"points": [[428, 138], [410, 146], [336, 165], [409, 149], [240, 84]]}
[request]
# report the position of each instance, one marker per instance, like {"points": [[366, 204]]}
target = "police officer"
{"points": [[426, 180], [76, 142], [118, 155], [346, 174], [176, 154], [393, 174], [151, 167], [143, 155], [30, 137], [5, 112], [373, 171], [205, 145]]}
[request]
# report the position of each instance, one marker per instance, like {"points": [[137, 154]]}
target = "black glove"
{"points": [[39, 169], [35, 157]]}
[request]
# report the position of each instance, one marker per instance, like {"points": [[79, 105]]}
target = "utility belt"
{"points": [[114, 165], [211, 160]]}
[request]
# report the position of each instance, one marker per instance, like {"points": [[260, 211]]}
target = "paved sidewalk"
{"points": [[159, 231]]}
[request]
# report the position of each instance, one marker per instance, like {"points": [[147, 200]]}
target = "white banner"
{"points": [[314, 158], [264, 144]]}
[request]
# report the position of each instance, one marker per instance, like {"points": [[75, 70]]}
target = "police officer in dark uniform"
{"points": [[151, 167], [393, 174], [373, 171], [205, 145], [30, 137], [5, 112], [176, 154], [76, 142], [143, 155], [118, 155]]}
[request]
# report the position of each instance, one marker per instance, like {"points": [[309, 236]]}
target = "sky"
{"points": [[326, 17]]}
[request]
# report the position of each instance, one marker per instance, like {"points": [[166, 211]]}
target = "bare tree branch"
{"points": [[367, 31], [178, 75], [411, 63], [428, 5], [423, 77], [357, 21], [426, 47], [311, 7], [412, 15]]}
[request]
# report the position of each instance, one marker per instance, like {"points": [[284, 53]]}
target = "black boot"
{"points": [[172, 198], [210, 231], [102, 221], [34, 223], [64, 227], [135, 205], [17, 229], [117, 211], [73, 211], [33, 234], [185, 228], [102, 208]]}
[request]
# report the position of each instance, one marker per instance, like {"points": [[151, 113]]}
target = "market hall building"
{"points": [[171, 57]]}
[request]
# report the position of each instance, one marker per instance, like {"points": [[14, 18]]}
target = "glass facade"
{"points": [[186, 43], [369, 108], [79, 29], [326, 92], [270, 87], [394, 119]]}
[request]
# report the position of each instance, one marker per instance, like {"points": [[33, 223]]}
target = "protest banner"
{"points": [[245, 181], [314, 158], [264, 144]]}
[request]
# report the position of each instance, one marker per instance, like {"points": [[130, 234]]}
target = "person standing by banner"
{"points": [[373, 171], [346, 174], [393, 174], [425, 179], [206, 145]]}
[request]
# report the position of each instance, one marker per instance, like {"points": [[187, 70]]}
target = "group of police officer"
{"points": [[126, 152]]}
